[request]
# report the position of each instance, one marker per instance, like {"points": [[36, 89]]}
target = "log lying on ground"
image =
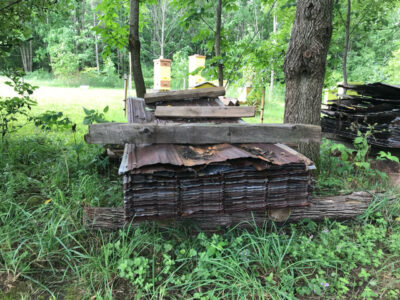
{"points": [[205, 111], [200, 133], [333, 207], [213, 92]]}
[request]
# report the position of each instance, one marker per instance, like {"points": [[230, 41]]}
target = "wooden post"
{"points": [[262, 105], [126, 92]]}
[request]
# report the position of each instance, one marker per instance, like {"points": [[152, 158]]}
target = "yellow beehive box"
{"points": [[204, 84], [162, 74], [196, 62]]}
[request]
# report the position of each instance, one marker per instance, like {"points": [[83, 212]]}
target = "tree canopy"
{"points": [[69, 37]]}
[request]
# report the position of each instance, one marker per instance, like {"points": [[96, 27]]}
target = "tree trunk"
{"points": [[271, 84], [96, 45], [305, 64], [134, 48], [346, 43], [218, 43], [130, 74], [163, 13], [26, 55], [333, 207]]}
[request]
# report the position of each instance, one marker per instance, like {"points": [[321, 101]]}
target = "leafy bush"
{"points": [[343, 168], [94, 116], [51, 119], [11, 108]]}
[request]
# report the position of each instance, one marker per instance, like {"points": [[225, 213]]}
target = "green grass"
{"points": [[45, 250]]}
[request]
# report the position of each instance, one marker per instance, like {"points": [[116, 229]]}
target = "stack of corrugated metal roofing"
{"points": [[164, 181], [377, 107]]}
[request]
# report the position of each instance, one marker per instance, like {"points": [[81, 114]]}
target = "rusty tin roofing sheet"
{"points": [[138, 156]]}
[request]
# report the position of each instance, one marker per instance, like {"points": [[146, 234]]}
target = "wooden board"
{"points": [[333, 207], [213, 92], [205, 111], [201, 133]]}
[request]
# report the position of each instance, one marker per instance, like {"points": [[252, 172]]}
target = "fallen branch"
{"points": [[333, 207]]}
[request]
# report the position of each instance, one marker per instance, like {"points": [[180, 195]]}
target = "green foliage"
{"points": [[94, 116], [112, 28], [393, 67], [51, 119], [14, 18], [372, 25], [382, 155], [343, 168], [64, 62], [12, 108], [180, 69]]}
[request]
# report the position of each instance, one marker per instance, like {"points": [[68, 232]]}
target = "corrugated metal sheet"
{"points": [[166, 180], [376, 90], [377, 107], [138, 156]]}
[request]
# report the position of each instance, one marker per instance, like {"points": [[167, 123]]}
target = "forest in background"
{"points": [[85, 42]]}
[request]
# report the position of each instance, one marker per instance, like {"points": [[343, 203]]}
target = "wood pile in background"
{"points": [[376, 106]]}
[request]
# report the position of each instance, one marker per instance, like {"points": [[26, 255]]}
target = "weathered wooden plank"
{"points": [[213, 92], [333, 207], [200, 133], [205, 111]]}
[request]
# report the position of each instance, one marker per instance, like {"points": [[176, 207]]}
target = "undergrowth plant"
{"points": [[346, 169], [13, 108]]}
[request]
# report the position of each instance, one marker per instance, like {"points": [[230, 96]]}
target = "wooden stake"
{"points": [[126, 92], [262, 105]]}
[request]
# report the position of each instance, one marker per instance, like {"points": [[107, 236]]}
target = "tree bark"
{"points": [[305, 64], [333, 207], [96, 45], [26, 55], [218, 43], [163, 13], [134, 48], [346, 43], [272, 79]]}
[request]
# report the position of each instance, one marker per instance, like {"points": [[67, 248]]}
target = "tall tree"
{"points": [[134, 48], [305, 64], [96, 43], [218, 43], [26, 55], [346, 42]]}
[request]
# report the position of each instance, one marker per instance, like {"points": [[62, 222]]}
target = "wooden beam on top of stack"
{"points": [[201, 133], [204, 111], [213, 92]]}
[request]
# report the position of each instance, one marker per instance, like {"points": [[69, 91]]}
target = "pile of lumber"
{"points": [[187, 155], [376, 107]]}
